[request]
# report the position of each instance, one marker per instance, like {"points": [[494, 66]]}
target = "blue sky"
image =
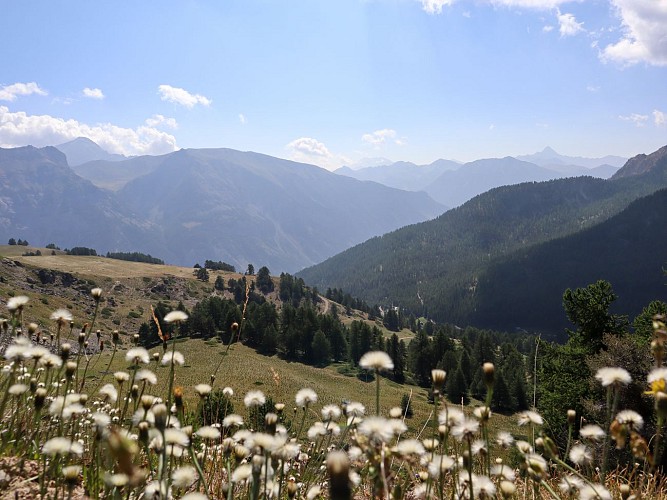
{"points": [[331, 82]]}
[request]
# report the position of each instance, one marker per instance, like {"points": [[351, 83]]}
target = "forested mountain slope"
{"points": [[525, 289], [434, 267]]}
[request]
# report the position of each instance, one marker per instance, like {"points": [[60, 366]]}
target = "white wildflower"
{"points": [[183, 477], [254, 398], [376, 360], [173, 357], [331, 412], [145, 375], [530, 417], [592, 432], [631, 418], [175, 317], [580, 454], [137, 355], [109, 393], [61, 316], [17, 303], [613, 376], [208, 433], [305, 397]]}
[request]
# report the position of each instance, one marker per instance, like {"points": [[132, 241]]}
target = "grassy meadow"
{"points": [[122, 422]]}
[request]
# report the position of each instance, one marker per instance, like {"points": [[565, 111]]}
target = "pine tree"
{"points": [[456, 388]]}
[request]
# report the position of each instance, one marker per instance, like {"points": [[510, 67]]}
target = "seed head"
{"points": [[61, 316], [17, 303], [96, 293], [376, 360], [613, 376], [175, 316]]}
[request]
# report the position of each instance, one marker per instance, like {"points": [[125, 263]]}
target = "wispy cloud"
{"points": [[11, 92], [636, 118], [592, 88], [644, 24], [183, 97], [93, 93], [568, 25], [20, 129], [157, 120], [381, 136], [242, 119], [659, 118], [434, 6]]}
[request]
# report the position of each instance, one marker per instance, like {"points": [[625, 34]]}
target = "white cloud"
{"points": [[547, 28], [182, 96], [10, 92], [93, 93], [20, 129], [568, 25], [242, 119], [530, 4], [379, 136], [636, 118], [435, 6], [157, 120], [659, 118], [644, 26], [592, 88], [308, 147]]}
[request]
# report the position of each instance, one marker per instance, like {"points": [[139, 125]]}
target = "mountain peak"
{"points": [[642, 163], [549, 151], [82, 150]]}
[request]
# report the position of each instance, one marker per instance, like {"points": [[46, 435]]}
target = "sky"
{"points": [[331, 82]]}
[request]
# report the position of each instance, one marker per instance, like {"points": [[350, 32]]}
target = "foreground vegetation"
{"points": [[85, 413]]}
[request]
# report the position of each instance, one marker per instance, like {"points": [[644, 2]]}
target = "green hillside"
{"points": [[433, 268], [627, 250]]}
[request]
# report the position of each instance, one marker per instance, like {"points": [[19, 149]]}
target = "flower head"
{"points": [[254, 398], [305, 397], [613, 376], [61, 316], [530, 417], [137, 355], [580, 454], [175, 317], [376, 360], [17, 303], [175, 358], [630, 418], [592, 432]]}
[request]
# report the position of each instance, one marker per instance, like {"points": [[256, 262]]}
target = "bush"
{"points": [[215, 408]]}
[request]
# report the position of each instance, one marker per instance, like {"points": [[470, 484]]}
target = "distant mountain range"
{"points": [[193, 205], [475, 265], [452, 183]]}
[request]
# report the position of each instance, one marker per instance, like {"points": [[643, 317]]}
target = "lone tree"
{"points": [[588, 309]]}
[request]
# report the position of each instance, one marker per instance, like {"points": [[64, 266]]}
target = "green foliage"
{"points": [[219, 266], [643, 323], [263, 280], [588, 309], [82, 251], [214, 408], [219, 283], [437, 268], [202, 274], [134, 257]]}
